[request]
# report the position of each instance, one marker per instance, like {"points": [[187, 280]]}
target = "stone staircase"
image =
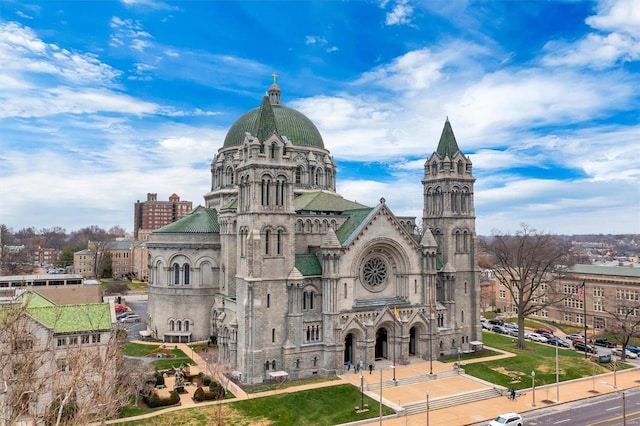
{"points": [[450, 401], [374, 386]]}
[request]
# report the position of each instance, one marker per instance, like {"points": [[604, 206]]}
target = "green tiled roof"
{"points": [[356, 217], [73, 318], [447, 147], [35, 299], [288, 122], [308, 265], [439, 264], [321, 201], [620, 271], [233, 204], [197, 221]]}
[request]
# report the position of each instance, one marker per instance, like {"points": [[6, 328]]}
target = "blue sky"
{"points": [[102, 102]]}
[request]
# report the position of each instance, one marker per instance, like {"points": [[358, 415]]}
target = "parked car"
{"points": [[124, 314], [509, 419], [118, 308], [548, 336], [486, 325], [575, 336], [600, 358], [628, 354], [131, 318], [543, 331], [482, 318], [512, 332], [556, 341], [512, 325], [499, 329], [580, 346], [634, 349], [496, 321], [535, 337], [603, 341]]}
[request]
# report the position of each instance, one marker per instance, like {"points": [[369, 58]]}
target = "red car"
{"points": [[119, 308], [542, 330]]}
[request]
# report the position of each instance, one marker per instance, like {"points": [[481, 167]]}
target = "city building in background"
{"points": [[153, 214]]}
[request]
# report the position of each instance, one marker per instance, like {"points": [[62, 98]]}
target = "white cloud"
{"points": [[400, 14], [620, 22], [129, 32], [315, 40]]}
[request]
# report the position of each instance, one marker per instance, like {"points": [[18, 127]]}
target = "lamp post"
{"points": [[361, 392], [427, 408], [394, 352], [533, 382], [380, 396], [431, 318], [557, 376]]}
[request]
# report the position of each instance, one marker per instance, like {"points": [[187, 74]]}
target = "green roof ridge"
{"points": [[356, 217], [265, 125], [447, 147], [308, 265], [198, 221], [324, 201], [73, 318]]}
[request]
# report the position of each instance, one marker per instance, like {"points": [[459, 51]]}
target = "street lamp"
{"points": [[427, 408], [361, 392], [533, 381], [557, 376]]}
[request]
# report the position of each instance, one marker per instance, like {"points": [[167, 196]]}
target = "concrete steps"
{"points": [[450, 401]]}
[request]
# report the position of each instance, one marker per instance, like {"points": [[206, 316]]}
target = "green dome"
{"points": [[289, 122]]}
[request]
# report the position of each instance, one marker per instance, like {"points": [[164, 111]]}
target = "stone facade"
{"points": [[287, 275]]}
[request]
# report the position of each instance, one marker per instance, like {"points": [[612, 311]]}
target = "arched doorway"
{"points": [[412, 341], [348, 348], [381, 343]]}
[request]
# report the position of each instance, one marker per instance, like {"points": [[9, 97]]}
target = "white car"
{"points": [[618, 352], [510, 419], [535, 337], [131, 318]]}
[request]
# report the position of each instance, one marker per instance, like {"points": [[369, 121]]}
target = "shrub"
{"points": [[115, 288], [154, 400], [217, 390], [159, 379], [201, 395], [206, 380]]}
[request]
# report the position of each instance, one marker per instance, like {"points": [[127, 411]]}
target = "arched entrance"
{"points": [[381, 343], [412, 341], [348, 348]]}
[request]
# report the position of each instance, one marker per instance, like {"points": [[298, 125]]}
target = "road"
{"points": [[605, 410], [138, 304]]}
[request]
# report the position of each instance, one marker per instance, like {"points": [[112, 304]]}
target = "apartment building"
{"points": [[153, 214]]}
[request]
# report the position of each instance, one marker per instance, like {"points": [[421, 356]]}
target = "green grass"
{"points": [[324, 406], [288, 384], [515, 372], [137, 349], [166, 363]]}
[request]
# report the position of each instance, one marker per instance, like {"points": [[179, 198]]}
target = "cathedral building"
{"points": [[287, 276]]}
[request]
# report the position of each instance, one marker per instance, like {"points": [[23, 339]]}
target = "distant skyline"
{"points": [[102, 102]]}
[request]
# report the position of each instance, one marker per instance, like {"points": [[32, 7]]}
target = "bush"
{"points": [[216, 389], [154, 400], [159, 378], [201, 395], [116, 288], [206, 380]]}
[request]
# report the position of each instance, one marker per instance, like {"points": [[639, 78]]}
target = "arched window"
{"points": [[299, 175], [267, 236], [268, 300], [311, 297], [187, 271], [186, 325], [273, 339], [172, 325], [179, 325], [304, 300], [274, 149], [266, 183], [279, 242], [462, 317], [176, 274], [229, 176]]}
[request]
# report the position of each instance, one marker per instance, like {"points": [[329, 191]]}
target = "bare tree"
{"points": [[61, 377], [624, 322], [530, 265]]}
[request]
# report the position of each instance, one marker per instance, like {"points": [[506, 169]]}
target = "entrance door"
{"points": [[348, 348], [412, 341], [381, 343]]}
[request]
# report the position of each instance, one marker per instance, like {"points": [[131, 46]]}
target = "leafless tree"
{"points": [[48, 381], [624, 321], [530, 265]]}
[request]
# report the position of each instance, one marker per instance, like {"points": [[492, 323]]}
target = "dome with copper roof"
{"points": [[298, 129]]}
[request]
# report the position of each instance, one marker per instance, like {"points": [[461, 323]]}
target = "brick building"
{"points": [[153, 214]]}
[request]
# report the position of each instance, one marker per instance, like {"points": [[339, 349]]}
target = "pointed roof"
{"points": [[308, 265], [265, 124], [197, 221], [428, 239], [330, 241], [447, 147]]}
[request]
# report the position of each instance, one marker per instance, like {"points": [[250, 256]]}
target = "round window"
{"points": [[374, 272]]}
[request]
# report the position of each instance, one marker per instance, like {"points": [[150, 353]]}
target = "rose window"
{"points": [[374, 271]]}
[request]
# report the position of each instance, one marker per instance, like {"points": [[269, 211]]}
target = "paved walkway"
{"points": [[448, 385]]}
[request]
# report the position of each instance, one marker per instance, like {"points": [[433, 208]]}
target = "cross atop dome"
{"points": [[274, 91]]}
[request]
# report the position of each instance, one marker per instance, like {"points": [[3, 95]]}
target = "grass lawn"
{"points": [[288, 384], [515, 372], [324, 406]]}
